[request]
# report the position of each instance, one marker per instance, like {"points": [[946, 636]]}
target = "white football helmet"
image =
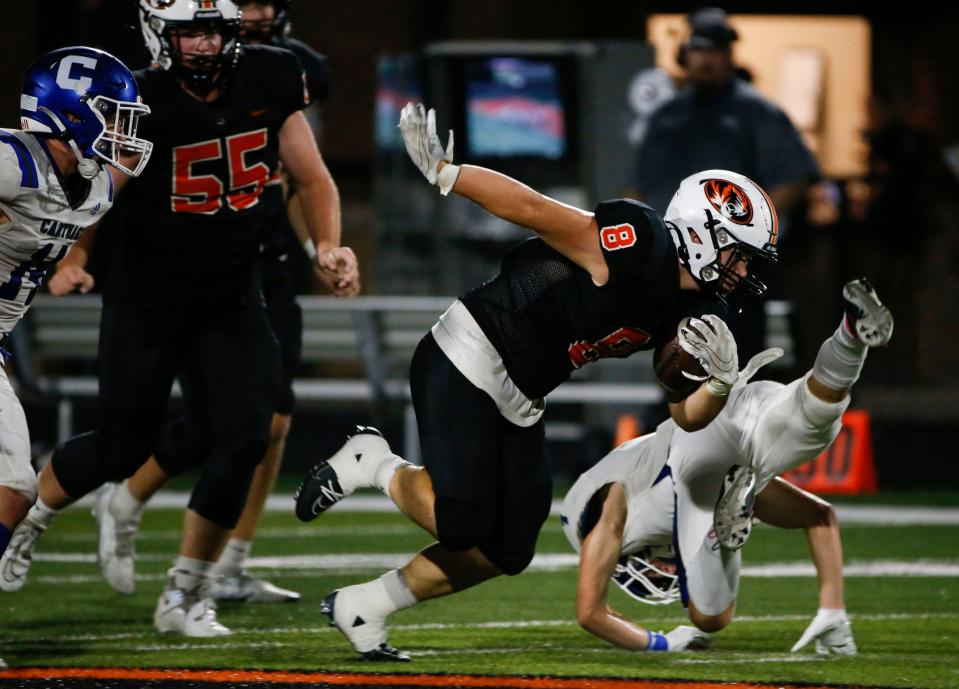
{"points": [[715, 210], [644, 581], [161, 20]]}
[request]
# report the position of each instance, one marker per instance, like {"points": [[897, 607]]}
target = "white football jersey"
{"points": [[37, 223], [638, 466], [768, 426]]}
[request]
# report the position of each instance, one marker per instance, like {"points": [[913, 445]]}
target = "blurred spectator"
{"points": [[720, 121]]}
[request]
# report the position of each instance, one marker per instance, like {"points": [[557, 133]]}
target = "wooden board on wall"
{"points": [[767, 41]]}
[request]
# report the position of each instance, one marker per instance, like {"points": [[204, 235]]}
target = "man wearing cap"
{"points": [[719, 121]]}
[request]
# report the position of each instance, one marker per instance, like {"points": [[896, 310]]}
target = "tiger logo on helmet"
{"points": [[729, 199]]}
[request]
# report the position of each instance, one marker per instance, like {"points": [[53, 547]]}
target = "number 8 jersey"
{"points": [[39, 221], [545, 317], [195, 218]]}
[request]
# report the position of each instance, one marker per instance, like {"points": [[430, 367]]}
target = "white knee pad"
{"points": [[16, 471], [24, 483]]}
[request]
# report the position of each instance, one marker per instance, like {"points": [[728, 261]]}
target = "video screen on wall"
{"points": [[515, 108]]}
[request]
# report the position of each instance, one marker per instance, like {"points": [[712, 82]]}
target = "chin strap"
{"points": [[87, 167]]}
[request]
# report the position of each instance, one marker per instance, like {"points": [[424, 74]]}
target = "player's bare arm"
{"points": [[784, 505], [696, 411], [320, 202], [599, 554], [597, 562], [571, 231]]}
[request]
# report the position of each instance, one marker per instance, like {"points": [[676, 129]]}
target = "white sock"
{"points": [[383, 596], [840, 359], [384, 472], [41, 514], [233, 557], [189, 574], [398, 590], [123, 506]]}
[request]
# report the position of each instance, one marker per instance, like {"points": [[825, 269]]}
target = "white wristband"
{"points": [[310, 248], [718, 387], [447, 178]]}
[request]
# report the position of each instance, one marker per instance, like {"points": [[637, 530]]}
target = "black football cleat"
{"points": [[353, 466]]}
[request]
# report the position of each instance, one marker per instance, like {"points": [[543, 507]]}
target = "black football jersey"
{"points": [[546, 317], [198, 212], [315, 66]]}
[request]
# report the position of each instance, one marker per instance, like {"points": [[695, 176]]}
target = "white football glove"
{"points": [[832, 632], [422, 144], [710, 341], [686, 638]]}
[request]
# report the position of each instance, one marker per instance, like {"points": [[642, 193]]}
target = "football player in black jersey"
{"points": [[267, 21], [181, 446], [183, 295], [589, 286]]}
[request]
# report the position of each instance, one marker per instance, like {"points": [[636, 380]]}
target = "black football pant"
{"points": [[229, 357], [185, 441], [491, 478]]}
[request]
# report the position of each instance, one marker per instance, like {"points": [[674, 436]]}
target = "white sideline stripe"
{"points": [[890, 515], [547, 562], [274, 532], [740, 658], [505, 624], [324, 533]]}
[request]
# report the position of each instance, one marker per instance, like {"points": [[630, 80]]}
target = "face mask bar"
{"points": [[119, 137], [645, 582], [203, 73], [752, 286], [750, 283]]}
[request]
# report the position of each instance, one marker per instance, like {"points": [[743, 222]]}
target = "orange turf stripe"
{"points": [[280, 677]]}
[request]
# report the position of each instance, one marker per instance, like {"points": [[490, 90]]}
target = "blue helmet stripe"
{"points": [[28, 171]]}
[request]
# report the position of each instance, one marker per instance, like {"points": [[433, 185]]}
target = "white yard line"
{"points": [[888, 515], [343, 562], [746, 658], [439, 626]]}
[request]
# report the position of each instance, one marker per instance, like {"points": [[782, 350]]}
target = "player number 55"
{"points": [[194, 193]]}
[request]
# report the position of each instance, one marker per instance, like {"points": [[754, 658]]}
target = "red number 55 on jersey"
{"points": [[205, 193]]}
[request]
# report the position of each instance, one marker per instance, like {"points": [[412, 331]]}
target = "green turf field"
{"points": [[907, 628]]}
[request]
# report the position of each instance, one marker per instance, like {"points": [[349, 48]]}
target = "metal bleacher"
{"points": [[356, 352]]}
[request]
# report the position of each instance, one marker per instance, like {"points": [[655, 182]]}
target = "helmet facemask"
{"points": [[647, 580], [720, 276], [202, 72], [119, 136]]}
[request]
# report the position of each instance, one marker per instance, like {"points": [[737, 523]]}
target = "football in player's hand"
{"points": [[670, 360]]}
